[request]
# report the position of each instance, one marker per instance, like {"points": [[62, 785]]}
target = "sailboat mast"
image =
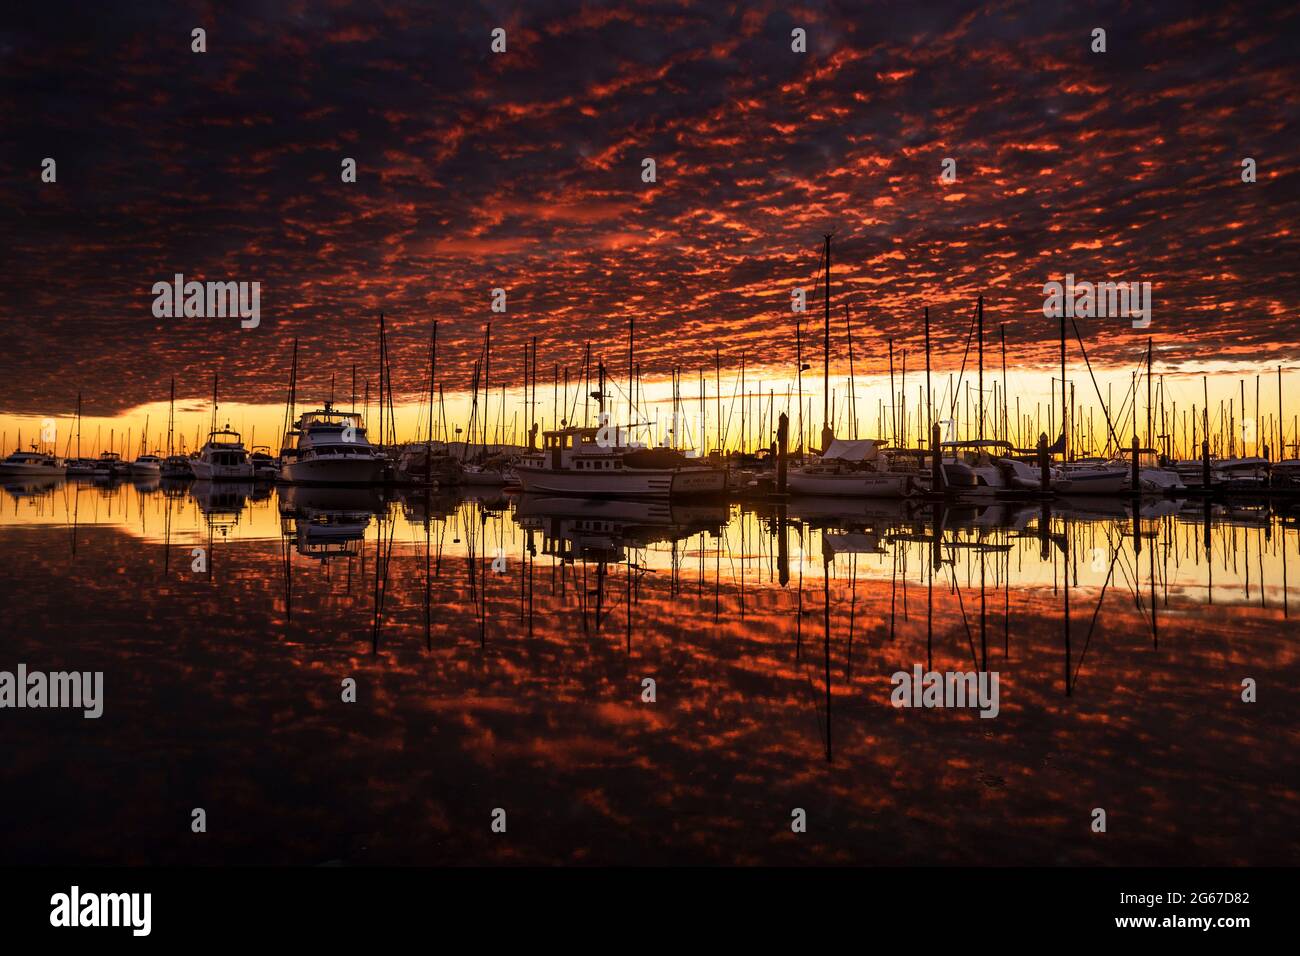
{"points": [[827, 432], [979, 312], [433, 374], [487, 371], [1064, 433], [1002, 334]]}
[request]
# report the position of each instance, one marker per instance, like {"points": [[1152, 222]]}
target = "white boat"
{"points": [[1241, 474], [850, 469], [1160, 480], [223, 457], [1091, 477], [576, 461], [147, 465], [1021, 475], [32, 463], [331, 449], [976, 464]]}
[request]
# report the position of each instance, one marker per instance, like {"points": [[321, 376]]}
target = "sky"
{"points": [[524, 171]]}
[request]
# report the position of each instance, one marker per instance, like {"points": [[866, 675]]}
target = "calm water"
{"points": [[499, 647]]}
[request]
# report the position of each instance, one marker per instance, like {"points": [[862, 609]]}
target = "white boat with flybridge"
{"points": [[32, 463], [329, 447], [223, 457]]}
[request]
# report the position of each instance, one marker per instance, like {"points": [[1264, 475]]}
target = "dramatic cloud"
{"points": [[523, 170]]}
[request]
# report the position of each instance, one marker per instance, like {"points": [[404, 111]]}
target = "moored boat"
{"points": [[576, 461], [851, 468], [35, 463], [223, 458], [330, 447]]}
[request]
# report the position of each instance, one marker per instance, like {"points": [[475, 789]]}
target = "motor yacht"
{"points": [[330, 447], [223, 457], [32, 463]]}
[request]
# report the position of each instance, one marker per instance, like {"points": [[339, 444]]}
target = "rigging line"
{"points": [[1096, 611], [970, 333], [970, 638], [1106, 411]]}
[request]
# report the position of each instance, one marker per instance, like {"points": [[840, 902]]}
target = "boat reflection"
{"points": [[328, 522], [502, 641]]}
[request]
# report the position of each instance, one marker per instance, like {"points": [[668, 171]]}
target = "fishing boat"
{"points": [[576, 461], [32, 463], [853, 469], [331, 448], [223, 457]]}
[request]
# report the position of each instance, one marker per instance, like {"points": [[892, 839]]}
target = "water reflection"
{"points": [[500, 643]]}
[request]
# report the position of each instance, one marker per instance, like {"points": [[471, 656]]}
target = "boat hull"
{"points": [[205, 471], [29, 471], [865, 485], [344, 470], [1092, 483], [626, 482]]}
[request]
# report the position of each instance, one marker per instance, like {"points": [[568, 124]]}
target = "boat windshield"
{"points": [[330, 418]]}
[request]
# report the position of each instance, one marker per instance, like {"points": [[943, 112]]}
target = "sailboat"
{"points": [[855, 468]]}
